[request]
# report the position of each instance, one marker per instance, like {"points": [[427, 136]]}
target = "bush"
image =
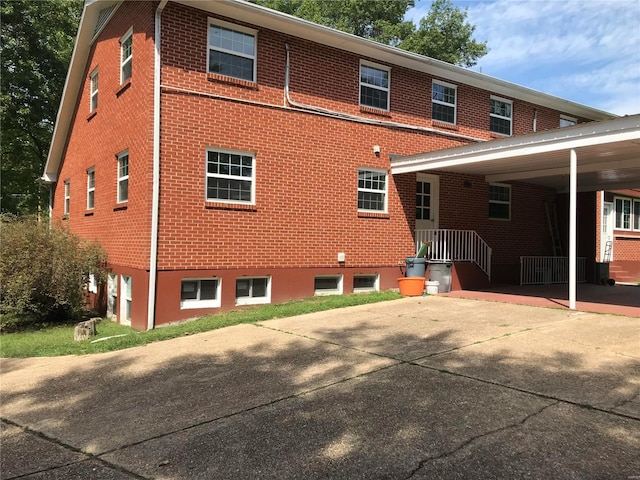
{"points": [[44, 271]]}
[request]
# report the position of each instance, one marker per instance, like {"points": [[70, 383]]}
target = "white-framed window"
{"points": [[230, 176], [567, 121], [112, 295], [93, 285], [253, 290], [501, 115], [123, 177], [636, 214], [200, 293], [93, 81], [327, 284], [91, 188], [375, 81], [366, 282], [126, 56], [232, 50], [623, 213], [67, 197], [125, 300], [443, 102], [499, 201], [372, 190]]}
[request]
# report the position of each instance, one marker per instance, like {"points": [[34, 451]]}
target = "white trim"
{"points": [[197, 303], [615, 213], [446, 104], [120, 179], [67, 197], [93, 93], [124, 298], [240, 29], [251, 300], [372, 190], [361, 84], [252, 179], [129, 59], [333, 291], [635, 225], [112, 295], [91, 173], [501, 117]]}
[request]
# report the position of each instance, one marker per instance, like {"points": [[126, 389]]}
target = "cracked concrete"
{"points": [[417, 388]]}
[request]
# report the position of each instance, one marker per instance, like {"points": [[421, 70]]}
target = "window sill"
{"points": [[217, 78], [627, 236], [384, 216], [499, 135], [92, 115], [444, 125], [230, 206], [120, 206], [500, 219], [124, 87], [88, 214], [375, 111]]}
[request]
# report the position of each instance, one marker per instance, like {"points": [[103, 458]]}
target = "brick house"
{"points": [[248, 157]]}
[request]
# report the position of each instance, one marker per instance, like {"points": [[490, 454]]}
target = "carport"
{"points": [[582, 158]]}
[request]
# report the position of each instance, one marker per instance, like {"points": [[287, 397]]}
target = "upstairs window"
{"points": [[443, 102], [499, 201], [93, 79], [374, 86], [232, 50], [123, 177], [566, 121], [501, 114], [67, 197], [230, 177], [91, 188], [126, 56], [372, 190]]}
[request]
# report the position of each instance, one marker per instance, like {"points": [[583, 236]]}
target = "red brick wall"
{"points": [[306, 164], [123, 120]]}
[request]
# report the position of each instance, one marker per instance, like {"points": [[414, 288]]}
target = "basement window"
{"points": [[366, 283], [200, 293], [251, 291], [327, 285]]}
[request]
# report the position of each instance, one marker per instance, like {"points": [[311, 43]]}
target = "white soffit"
{"points": [[608, 157]]}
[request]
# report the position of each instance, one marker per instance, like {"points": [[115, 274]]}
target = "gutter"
{"points": [[155, 203]]}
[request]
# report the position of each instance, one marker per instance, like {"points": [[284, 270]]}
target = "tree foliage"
{"points": [[44, 271], [443, 34], [36, 44]]}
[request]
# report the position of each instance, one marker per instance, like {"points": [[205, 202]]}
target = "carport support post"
{"points": [[573, 204]]}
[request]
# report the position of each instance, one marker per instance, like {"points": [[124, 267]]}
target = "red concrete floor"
{"points": [[617, 299]]}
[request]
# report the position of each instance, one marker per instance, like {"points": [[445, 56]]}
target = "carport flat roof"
{"points": [[608, 155]]}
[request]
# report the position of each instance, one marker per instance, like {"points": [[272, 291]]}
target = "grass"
{"points": [[58, 340]]}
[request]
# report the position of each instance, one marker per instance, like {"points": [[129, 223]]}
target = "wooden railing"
{"points": [[456, 246], [547, 270]]}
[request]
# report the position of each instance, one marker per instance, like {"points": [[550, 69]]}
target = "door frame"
{"points": [[434, 180], [610, 224]]}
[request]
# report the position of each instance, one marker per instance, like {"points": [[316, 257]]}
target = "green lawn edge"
{"points": [[58, 341]]}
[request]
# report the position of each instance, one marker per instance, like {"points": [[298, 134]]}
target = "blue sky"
{"points": [[587, 51]]}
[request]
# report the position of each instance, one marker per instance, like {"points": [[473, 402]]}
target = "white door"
{"points": [[427, 193], [112, 295], [606, 235], [125, 300]]}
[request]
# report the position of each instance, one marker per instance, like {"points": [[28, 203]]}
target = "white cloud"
{"points": [[587, 51]]}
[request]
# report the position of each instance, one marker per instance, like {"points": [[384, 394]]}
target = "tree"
{"points": [[36, 43], [44, 270], [443, 34]]}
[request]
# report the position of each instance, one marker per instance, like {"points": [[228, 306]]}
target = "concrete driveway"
{"points": [[424, 388]]}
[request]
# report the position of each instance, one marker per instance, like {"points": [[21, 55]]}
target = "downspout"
{"points": [[155, 202]]}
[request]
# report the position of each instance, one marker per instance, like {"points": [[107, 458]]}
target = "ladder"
{"points": [[608, 246], [552, 218]]}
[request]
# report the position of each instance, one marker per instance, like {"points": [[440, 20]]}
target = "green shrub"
{"points": [[44, 271]]}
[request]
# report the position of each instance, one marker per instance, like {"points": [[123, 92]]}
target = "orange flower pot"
{"points": [[411, 286]]}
